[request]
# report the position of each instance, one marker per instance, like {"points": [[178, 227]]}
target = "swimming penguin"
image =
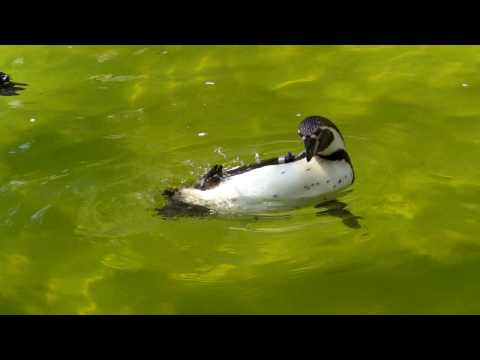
{"points": [[319, 172], [8, 87]]}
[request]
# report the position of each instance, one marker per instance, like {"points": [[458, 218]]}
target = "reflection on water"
{"points": [[101, 131]]}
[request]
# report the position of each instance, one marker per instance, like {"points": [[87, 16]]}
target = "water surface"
{"points": [[100, 131]]}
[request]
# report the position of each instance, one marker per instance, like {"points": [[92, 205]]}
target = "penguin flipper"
{"points": [[211, 179]]}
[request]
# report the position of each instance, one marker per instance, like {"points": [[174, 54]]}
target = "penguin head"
{"points": [[320, 136], [4, 78]]}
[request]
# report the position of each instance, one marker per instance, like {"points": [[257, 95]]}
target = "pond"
{"points": [[99, 132]]}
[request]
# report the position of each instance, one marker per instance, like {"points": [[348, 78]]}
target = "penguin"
{"points": [[319, 172], [8, 87]]}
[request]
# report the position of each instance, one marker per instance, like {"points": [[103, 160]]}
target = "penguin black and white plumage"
{"points": [[8, 87], [319, 172], [4, 79]]}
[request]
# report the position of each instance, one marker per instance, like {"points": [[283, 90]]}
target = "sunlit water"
{"points": [[100, 131]]}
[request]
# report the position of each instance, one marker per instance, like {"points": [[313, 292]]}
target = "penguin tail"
{"points": [[169, 193], [175, 208]]}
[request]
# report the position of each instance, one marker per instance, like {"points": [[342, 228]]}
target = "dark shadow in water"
{"points": [[338, 209], [11, 88], [175, 208]]}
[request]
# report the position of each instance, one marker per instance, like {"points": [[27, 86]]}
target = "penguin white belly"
{"points": [[274, 185]]}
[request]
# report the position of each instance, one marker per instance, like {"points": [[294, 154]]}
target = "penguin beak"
{"points": [[310, 147]]}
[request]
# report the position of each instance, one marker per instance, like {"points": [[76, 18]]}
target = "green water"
{"points": [[100, 130]]}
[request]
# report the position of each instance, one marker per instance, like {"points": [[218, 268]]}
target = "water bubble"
{"points": [[32, 120], [209, 82], [18, 61], [220, 152], [465, 85], [16, 183], [25, 146], [106, 56], [15, 104], [202, 134], [141, 51]]}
